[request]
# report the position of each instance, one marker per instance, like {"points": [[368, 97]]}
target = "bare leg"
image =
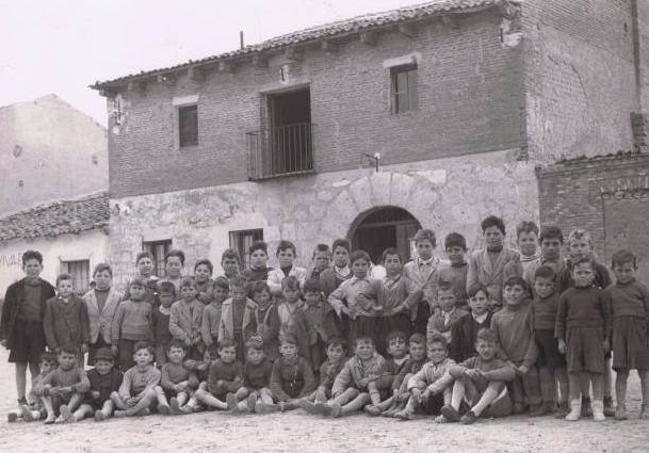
{"points": [[620, 394], [575, 381], [143, 404], [49, 407], [346, 396], [241, 394], [105, 411], [266, 396], [356, 404], [208, 399], [644, 380], [21, 379], [163, 404], [84, 411], [459, 390], [489, 395], [561, 375], [75, 401]]}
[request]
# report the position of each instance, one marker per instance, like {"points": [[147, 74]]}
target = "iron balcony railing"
{"points": [[280, 151]]}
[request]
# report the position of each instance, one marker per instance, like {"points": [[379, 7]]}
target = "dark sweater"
{"points": [[104, 384], [230, 375], [161, 334], [257, 275], [329, 371], [544, 311], [630, 299], [292, 379], [463, 336], [66, 323], [602, 279], [583, 307], [411, 366], [257, 376]]}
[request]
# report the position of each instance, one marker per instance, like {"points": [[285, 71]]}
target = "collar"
{"points": [[389, 281], [428, 262], [525, 259], [480, 319], [450, 312], [343, 271], [355, 280], [164, 310]]}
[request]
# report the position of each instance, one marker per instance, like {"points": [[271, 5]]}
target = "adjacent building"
{"points": [[434, 115]]}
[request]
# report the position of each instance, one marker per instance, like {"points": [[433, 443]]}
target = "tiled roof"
{"points": [[61, 217], [621, 154], [354, 25]]}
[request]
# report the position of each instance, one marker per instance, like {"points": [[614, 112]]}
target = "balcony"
{"points": [[280, 151]]}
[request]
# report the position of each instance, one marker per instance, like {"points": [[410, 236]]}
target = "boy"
{"points": [[174, 265], [331, 279], [360, 311], [21, 327], [160, 321], [238, 316], [256, 380], [203, 270], [527, 234], [481, 382], [63, 389], [421, 274], [104, 380], [230, 263], [486, 266], [336, 354], [132, 324], [448, 314], [314, 310], [319, 261], [398, 358], [465, 330], [286, 254], [137, 396], [258, 270], [455, 272], [66, 319], [429, 389], [268, 317], [101, 303], [399, 391], [514, 329], [551, 364], [145, 266], [34, 409], [177, 383], [355, 386], [551, 243], [225, 376], [185, 319], [291, 378], [212, 313], [292, 317]]}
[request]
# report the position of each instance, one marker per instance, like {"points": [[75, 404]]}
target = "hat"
{"points": [[103, 354]]}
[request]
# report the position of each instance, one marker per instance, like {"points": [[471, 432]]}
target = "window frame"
{"points": [[410, 93], [79, 286], [238, 242], [158, 261], [186, 141]]}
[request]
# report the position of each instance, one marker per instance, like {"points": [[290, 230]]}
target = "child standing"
{"points": [[514, 329], [455, 272], [430, 388], [331, 279], [177, 383], [174, 265], [256, 380], [527, 234], [137, 396], [145, 267], [225, 376], [203, 270], [480, 381], [258, 270], [356, 386], [66, 319], [448, 314], [160, 321], [104, 380], [551, 243], [33, 409], [291, 378], [185, 319], [292, 318], [268, 317], [230, 263], [212, 313], [315, 315], [132, 324], [551, 363], [319, 261], [583, 329], [465, 330], [238, 316], [286, 254], [630, 311], [63, 389]]}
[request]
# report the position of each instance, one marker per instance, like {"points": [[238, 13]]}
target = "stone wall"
{"points": [[451, 194]]}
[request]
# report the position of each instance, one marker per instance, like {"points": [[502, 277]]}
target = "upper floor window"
{"points": [[188, 125], [403, 88]]}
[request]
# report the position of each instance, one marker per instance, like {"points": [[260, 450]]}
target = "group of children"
{"points": [[497, 333]]}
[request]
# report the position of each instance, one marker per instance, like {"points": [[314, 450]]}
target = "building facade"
{"points": [[434, 115]]}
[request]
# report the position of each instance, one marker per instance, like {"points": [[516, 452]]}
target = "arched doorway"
{"points": [[382, 227]]}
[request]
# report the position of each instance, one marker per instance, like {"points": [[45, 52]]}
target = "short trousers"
{"points": [[28, 342], [549, 355], [585, 349]]}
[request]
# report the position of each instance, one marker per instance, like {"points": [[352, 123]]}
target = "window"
{"points": [[242, 240], [159, 250], [188, 125], [403, 88], [80, 271]]}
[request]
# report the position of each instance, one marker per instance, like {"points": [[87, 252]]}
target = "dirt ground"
{"points": [[297, 431]]}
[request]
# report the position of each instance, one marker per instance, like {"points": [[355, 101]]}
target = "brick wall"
{"points": [[470, 96]]}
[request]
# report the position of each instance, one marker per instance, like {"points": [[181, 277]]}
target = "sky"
{"points": [[62, 46]]}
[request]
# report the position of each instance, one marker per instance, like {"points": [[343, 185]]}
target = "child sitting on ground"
{"points": [[465, 330], [480, 382], [583, 330], [356, 386], [399, 389], [397, 358], [203, 270], [551, 364], [185, 319], [160, 321], [34, 409], [104, 380], [212, 313], [225, 376], [63, 389], [238, 316], [630, 305], [430, 388], [286, 254], [256, 380], [442, 320], [514, 329], [177, 383], [291, 378], [336, 355], [137, 396]]}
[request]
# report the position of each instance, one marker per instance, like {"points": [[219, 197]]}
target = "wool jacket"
{"points": [[583, 307], [629, 299], [256, 377], [441, 323], [464, 333], [100, 323], [13, 299], [185, 320], [422, 278], [249, 325], [172, 374], [355, 370], [433, 376], [104, 384], [230, 376], [481, 270], [210, 322], [133, 321], [66, 323]]}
